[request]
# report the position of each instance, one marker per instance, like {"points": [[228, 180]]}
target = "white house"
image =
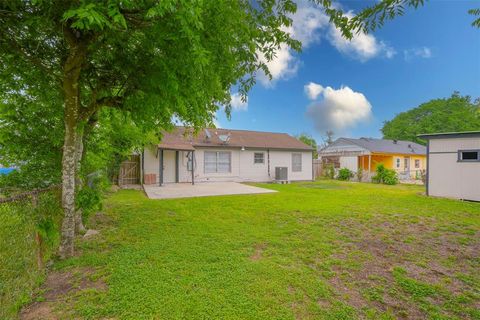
{"points": [[226, 155], [453, 166]]}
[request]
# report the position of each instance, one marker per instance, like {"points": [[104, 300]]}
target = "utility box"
{"points": [[281, 173]]}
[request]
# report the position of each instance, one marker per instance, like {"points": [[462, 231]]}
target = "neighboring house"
{"points": [[407, 158], [454, 165], [225, 155]]}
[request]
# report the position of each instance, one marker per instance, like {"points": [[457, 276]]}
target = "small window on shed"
{"points": [[468, 155], [258, 157], [417, 163]]}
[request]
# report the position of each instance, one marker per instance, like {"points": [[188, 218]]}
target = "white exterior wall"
{"points": [[243, 168], [350, 163], [150, 162], [449, 178], [284, 159]]}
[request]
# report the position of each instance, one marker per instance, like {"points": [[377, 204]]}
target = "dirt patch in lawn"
{"points": [[257, 254], [326, 186], [100, 220], [401, 268], [58, 287]]}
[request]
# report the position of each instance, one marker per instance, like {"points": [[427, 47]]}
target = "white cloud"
{"points": [[237, 103], [313, 90], [282, 66], [216, 123], [362, 46], [339, 109], [421, 52], [309, 25], [307, 21]]}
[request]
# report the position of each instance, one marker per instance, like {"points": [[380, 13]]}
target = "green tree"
{"points": [[310, 141], [453, 114], [475, 12], [151, 59]]}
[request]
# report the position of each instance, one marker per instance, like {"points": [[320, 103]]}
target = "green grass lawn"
{"points": [[323, 250]]}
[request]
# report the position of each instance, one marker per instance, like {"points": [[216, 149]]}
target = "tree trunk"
{"points": [[79, 227], [71, 91], [68, 171]]}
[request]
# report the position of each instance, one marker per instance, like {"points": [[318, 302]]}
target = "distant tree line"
{"points": [[454, 114]]}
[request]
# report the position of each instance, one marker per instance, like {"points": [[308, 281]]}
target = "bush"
{"points": [[345, 174], [360, 174], [385, 176], [329, 171], [89, 198]]}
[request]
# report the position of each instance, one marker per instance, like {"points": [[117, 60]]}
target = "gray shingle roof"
{"points": [[389, 146]]}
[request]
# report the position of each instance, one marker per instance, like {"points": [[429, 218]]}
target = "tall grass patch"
{"points": [[20, 274]]}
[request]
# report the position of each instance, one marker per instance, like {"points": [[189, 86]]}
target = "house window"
{"points": [[405, 163], [217, 162], [259, 157], [296, 162], [468, 155], [398, 162], [417, 163]]}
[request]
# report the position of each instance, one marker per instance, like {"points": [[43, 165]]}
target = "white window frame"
{"points": [[259, 160], [419, 162], [217, 161], [295, 166], [398, 163], [460, 155]]}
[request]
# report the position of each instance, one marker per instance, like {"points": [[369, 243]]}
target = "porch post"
{"points": [[370, 163], [193, 167], [176, 166], [160, 167]]}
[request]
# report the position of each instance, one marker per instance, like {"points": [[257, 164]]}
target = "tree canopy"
{"points": [[456, 113], [309, 140]]}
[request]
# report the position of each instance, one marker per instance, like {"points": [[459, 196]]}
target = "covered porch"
{"points": [[169, 160]]}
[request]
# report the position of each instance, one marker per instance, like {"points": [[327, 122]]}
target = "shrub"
{"points": [[345, 174], [329, 170], [89, 198], [360, 174], [385, 176]]}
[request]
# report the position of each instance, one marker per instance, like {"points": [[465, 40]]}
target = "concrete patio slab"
{"points": [[202, 189]]}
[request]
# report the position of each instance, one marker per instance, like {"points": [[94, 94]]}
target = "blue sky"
{"points": [[427, 53]]}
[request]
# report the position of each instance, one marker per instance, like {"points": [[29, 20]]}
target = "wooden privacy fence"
{"points": [[317, 168], [32, 196]]}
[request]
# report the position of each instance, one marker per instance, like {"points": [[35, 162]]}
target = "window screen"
{"points": [[217, 162], [296, 162], [258, 157], [469, 155], [223, 162], [417, 163]]}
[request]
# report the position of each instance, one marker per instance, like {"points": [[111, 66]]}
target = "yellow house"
{"points": [[407, 158]]}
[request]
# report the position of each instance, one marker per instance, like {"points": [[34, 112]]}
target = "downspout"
{"points": [[268, 161]]}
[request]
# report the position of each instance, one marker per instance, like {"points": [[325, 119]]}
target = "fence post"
{"points": [[38, 237]]}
